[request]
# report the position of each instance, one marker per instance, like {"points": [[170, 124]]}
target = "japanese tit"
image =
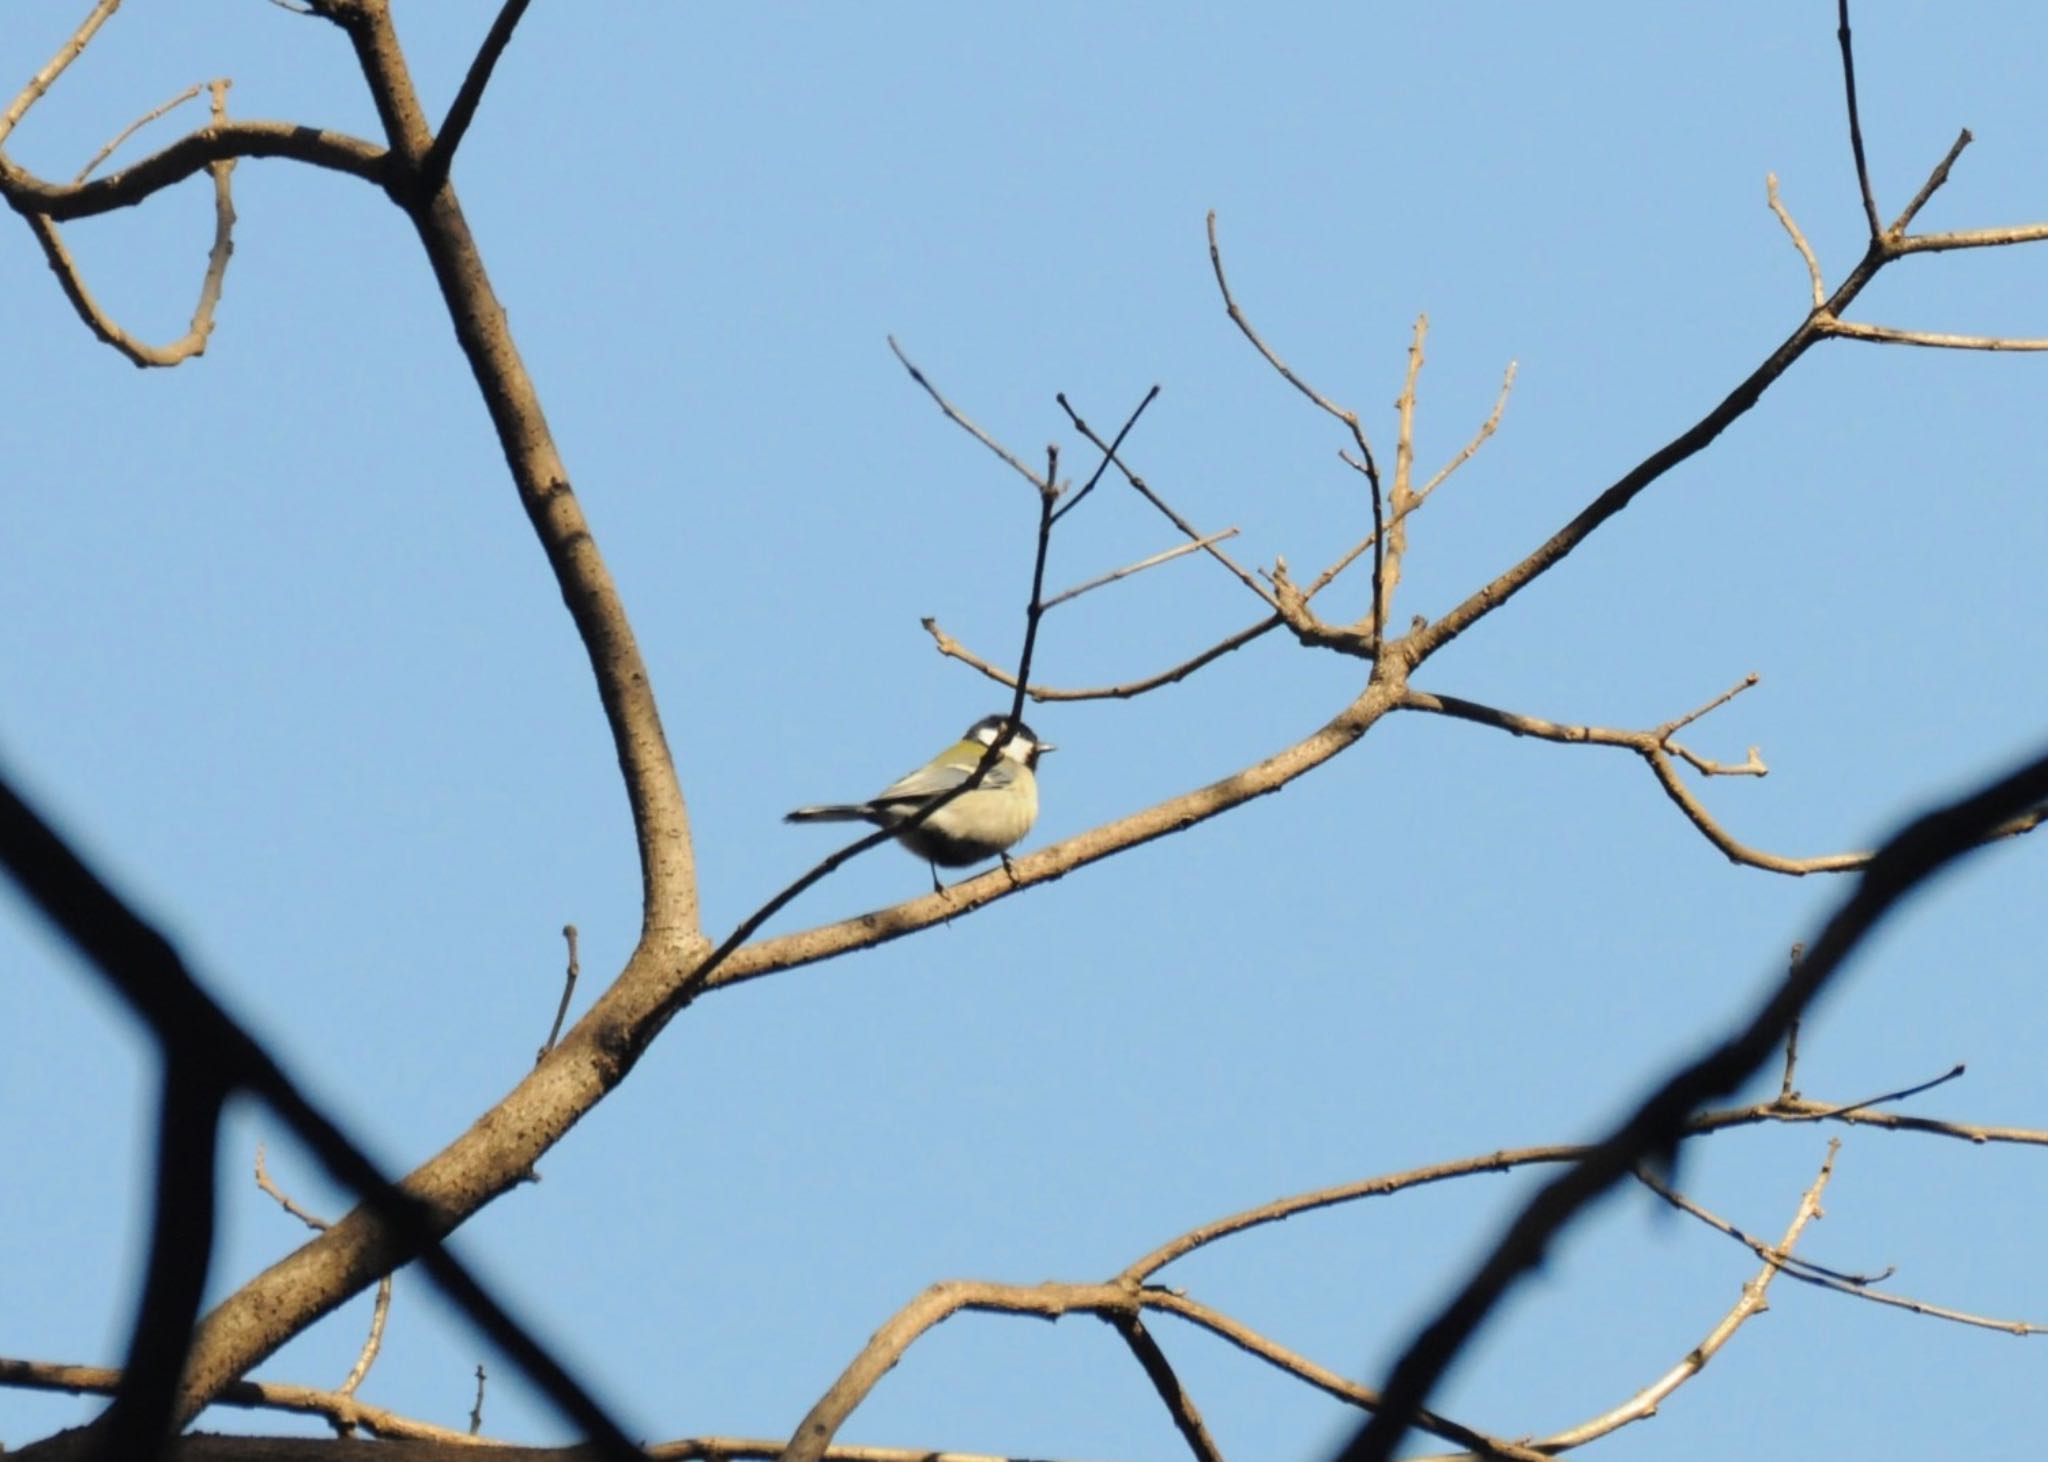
{"points": [[973, 826]]}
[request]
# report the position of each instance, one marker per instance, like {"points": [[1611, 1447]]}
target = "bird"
{"points": [[984, 823]]}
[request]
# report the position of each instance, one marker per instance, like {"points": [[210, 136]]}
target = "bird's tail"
{"points": [[831, 812]]}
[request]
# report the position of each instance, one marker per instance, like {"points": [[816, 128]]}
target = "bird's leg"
{"points": [[1009, 868]]}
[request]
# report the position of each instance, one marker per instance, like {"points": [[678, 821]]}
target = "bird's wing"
{"points": [[939, 778]]}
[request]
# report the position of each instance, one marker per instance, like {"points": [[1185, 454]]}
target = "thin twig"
{"points": [[959, 419], [92, 165], [1886, 335], [1366, 463], [1785, 1091], [1855, 122], [1144, 490], [1479, 439], [1187, 1417], [476, 1411], [1108, 451], [568, 992], [949, 646], [102, 325], [380, 1309], [1929, 188], [462, 111], [1165, 556], [1955, 1072], [1813, 274]]}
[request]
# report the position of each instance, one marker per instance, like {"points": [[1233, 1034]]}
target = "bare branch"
{"points": [[1175, 815], [102, 325], [1855, 122], [1145, 491], [1885, 335], [1644, 1404], [1479, 439], [1366, 463], [92, 164], [40, 83], [1187, 1417], [1927, 845], [568, 993], [1785, 1091], [1153, 561], [219, 142], [1813, 274], [441, 156], [380, 1311], [947, 645], [476, 1410], [959, 419], [1108, 450], [1929, 188], [940, 1302]]}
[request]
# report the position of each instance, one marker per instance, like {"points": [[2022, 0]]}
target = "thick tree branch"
{"points": [[192, 153]]}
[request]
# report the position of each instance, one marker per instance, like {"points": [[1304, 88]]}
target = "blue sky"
{"points": [[280, 652]]}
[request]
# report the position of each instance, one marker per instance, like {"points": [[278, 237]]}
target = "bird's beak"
{"points": [[1045, 746]]}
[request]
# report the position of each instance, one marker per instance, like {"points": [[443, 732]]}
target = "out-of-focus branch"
{"points": [[207, 1056], [1644, 1404], [1925, 847]]}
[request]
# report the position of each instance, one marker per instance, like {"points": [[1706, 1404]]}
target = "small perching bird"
{"points": [[975, 825]]}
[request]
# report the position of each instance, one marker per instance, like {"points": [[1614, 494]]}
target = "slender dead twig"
{"points": [[1785, 1091], [568, 993], [92, 164], [1366, 464], [1799, 242], [96, 319], [1151, 561], [1145, 490], [1886, 335], [1052, 1300], [949, 646], [476, 1410], [959, 419], [1954, 1072], [1108, 451], [1187, 1417], [1855, 121], [462, 111], [380, 1310]]}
